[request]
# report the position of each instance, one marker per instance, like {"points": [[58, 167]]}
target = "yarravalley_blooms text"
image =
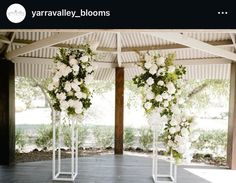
{"points": [[73, 72]]}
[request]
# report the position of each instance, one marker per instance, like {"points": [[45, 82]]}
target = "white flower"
{"points": [[160, 83], [62, 66], [88, 79], [150, 81], [175, 110], [67, 86], [170, 143], [158, 98], [78, 107], [181, 101], [73, 61], [177, 128], [172, 130], [148, 105], [66, 71], [148, 65], [161, 72], [148, 58], [61, 96], [55, 79], [150, 95], [171, 69], [170, 88], [74, 86], [194, 136], [50, 87], [89, 69], [84, 59], [173, 122], [165, 95], [79, 94], [153, 69], [64, 105], [184, 132], [166, 103], [75, 68], [161, 61]]}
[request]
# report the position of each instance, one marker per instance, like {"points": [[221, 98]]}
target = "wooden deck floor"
{"points": [[99, 169]]}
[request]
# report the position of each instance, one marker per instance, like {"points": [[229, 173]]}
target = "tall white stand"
{"points": [[158, 177], [58, 173]]}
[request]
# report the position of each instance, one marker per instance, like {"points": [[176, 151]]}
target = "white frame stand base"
{"points": [[171, 176], [57, 174]]}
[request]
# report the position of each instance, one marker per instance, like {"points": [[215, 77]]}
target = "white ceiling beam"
{"points": [[50, 41], [101, 64], [233, 37], [4, 40], [193, 43]]}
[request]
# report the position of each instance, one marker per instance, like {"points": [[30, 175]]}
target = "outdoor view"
{"points": [[207, 100]]}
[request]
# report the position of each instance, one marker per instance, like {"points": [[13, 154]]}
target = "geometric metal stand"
{"points": [[171, 176], [57, 173]]}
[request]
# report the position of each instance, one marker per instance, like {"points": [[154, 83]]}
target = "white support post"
{"points": [[157, 176], [57, 173]]}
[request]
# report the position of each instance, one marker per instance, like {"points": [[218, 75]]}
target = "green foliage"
{"points": [[129, 137], [104, 136], [20, 139], [82, 134], [25, 90], [211, 140], [44, 137], [146, 138]]}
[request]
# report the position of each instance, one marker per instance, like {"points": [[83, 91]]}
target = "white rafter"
{"points": [[193, 43], [47, 42], [233, 37]]}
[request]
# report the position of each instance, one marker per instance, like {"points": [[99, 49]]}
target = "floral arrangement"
{"points": [[179, 134], [73, 72], [161, 81]]}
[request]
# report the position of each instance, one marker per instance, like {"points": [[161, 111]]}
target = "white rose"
{"points": [[74, 86], [158, 98], [175, 109], [88, 79], [150, 81], [148, 58], [66, 71], [150, 95], [148, 65], [153, 69], [161, 61], [67, 87], [181, 149], [73, 62], [173, 122], [160, 83], [194, 136], [62, 67], [184, 132], [89, 69], [79, 94], [172, 130], [75, 68], [84, 59], [171, 69], [181, 101], [61, 96], [177, 128], [165, 95], [161, 72], [148, 105], [50, 87], [64, 105], [166, 103], [170, 88]]}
